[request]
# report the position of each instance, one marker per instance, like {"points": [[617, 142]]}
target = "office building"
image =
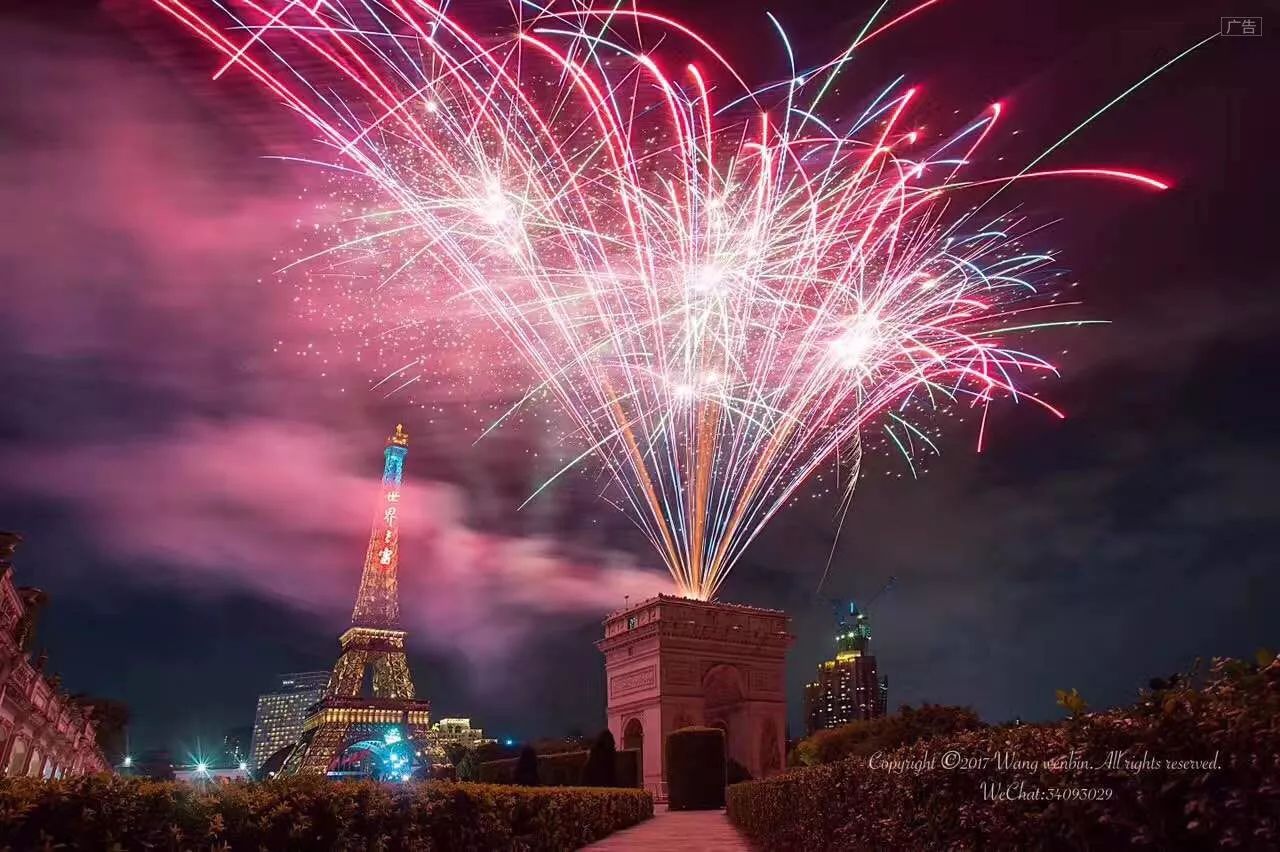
{"points": [[848, 687], [278, 722]]}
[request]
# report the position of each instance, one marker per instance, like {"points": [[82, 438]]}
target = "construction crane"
{"points": [[853, 632], [854, 610]]}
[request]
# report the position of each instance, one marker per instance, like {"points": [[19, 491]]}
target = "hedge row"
{"points": [[907, 798], [695, 769], [106, 812], [564, 769]]}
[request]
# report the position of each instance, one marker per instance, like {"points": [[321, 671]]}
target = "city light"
{"points": [[128, 761], [202, 767], [243, 766]]}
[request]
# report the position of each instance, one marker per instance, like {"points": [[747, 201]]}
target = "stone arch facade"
{"points": [[673, 662]]}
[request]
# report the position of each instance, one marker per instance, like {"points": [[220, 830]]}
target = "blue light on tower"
{"points": [[393, 470]]}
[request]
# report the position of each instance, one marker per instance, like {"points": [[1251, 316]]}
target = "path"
{"points": [[676, 831]]}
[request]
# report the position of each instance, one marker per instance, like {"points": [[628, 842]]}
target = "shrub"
{"points": [[562, 769], [868, 736], [1235, 716], [695, 769], [601, 767], [626, 768], [527, 768], [106, 812]]}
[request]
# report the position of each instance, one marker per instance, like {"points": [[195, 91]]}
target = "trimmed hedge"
{"points": [[695, 769], [109, 813], [1235, 715], [564, 769], [601, 768]]}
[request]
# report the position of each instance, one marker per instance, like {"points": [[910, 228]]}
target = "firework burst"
{"points": [[720, 289]]}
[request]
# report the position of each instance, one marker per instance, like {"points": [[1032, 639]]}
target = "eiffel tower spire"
{"points": [[377, 602]]}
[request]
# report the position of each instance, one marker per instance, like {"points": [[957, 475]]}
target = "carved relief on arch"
{"points": [[722, 686], [623, 684]]}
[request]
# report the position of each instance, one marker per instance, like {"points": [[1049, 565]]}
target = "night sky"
{"points": [[195, 495]]}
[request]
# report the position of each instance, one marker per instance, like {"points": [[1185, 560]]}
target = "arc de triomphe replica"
{"points": [[672, 662]]}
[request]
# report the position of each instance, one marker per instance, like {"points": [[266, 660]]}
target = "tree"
{"points": [[527, 767], [1072, 702], [111, 718], [468, 769], [455, 752], [866, 737], [469, 765], [601, 766]]}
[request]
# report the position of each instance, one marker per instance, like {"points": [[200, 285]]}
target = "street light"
{"points": [[202, 767], [128, 761]]}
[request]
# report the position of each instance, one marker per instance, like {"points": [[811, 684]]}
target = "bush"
{"points": [[601, 767], [695, 769], [1235, 716], [868, 736], [107, 812], [563, 769]]}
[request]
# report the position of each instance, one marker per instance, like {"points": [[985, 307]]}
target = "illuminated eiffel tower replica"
{"points": [[391, 724]]}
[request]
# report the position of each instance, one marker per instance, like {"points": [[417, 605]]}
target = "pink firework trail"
{"points": [[721, 290]]}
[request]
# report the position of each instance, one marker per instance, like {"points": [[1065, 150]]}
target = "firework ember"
{"points": [[721, 289]]}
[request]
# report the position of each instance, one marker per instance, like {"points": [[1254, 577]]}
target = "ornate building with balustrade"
{"points": [[43, 732]]}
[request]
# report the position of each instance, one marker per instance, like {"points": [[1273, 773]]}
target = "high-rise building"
{"points": [[388, 732], [848, 687], [281, 713]]}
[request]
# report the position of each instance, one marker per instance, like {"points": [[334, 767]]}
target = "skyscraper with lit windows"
{"points": [[848, 688], [278, 722]]}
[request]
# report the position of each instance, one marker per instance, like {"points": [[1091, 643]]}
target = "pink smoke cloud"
{"points": [[277, 509]]}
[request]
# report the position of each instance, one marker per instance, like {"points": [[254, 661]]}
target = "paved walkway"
{"points": [[676, 831]]}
